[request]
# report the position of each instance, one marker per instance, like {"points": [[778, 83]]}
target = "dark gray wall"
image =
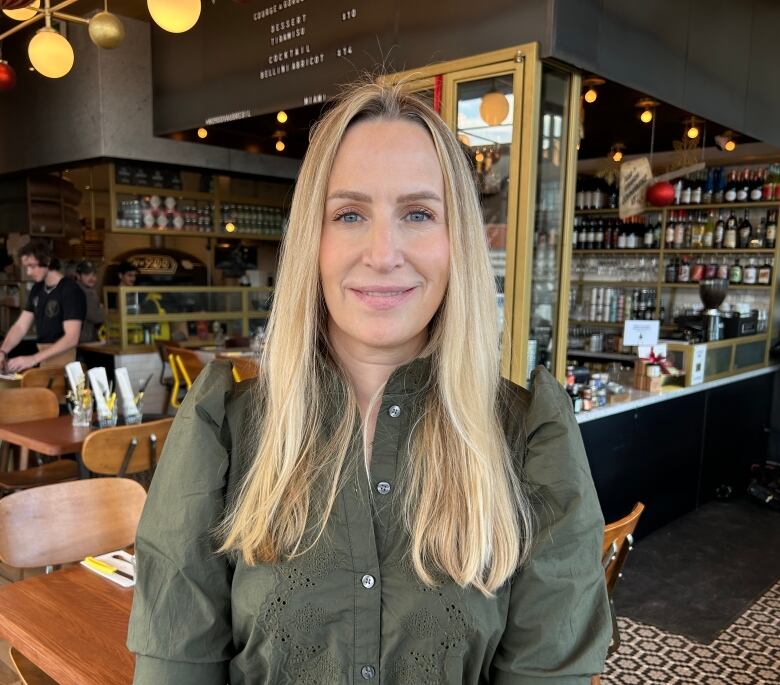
{"points": [[103, 108], [714, 58]]}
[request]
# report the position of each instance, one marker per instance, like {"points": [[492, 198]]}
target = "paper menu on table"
{"points": [[98, 379], [125, 392], [121, 561], [75, 374]]}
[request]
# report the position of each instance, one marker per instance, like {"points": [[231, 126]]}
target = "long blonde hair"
{"points": [[463, 504]]}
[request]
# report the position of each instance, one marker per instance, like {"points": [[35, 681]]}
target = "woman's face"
{"points": [[384, 250]]}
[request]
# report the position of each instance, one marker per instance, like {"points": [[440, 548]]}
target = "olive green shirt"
{"points": [[351, 610]]}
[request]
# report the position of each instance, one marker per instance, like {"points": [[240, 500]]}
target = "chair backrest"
{"points": [[189, 364], [618, 541], [65, 522], [244, 368], [123, 450], [52, 377], [18, 405]]}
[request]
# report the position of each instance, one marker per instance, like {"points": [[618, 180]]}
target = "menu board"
{"points": [[251, 57]]}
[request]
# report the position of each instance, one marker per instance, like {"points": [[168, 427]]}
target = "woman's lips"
{"points": [[383, 298]]}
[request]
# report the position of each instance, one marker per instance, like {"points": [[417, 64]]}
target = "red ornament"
{"points": [[660, 194], [14, 4], [7, 77]]}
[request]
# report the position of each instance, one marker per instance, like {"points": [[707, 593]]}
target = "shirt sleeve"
{"points": [[74, 304], [558, 626], [180, 626]]}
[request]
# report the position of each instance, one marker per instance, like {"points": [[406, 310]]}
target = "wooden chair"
{"points": [[244, 368], [126, 450], [71, 521], [52, 378], [618, 542], [190, 364], [32, 404]]}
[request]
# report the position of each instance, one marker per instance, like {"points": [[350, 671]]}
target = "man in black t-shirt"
{"points": [[55, 304]]}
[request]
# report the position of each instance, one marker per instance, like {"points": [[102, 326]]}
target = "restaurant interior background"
{"points": [[178, 150]]}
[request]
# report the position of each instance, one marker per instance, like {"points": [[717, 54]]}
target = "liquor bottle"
{"points": [[697, 232], [598, 240], [745, 231], [765, 272], [657, 234], [684, 271], [575, 233], [750, 273], [758, 238], [599, 197], [735, 273], [730, 192], [711, 269], [768, 189], [662, 312], [688, 236], [669, 238], [590, 236], [709, 187], [697, 189], [743, 186], [678, 188], [622, 237], [697, 271], [723, 269], [679, 231], [648, 238], [709, 230], [720, 186], [757, 186], [771, 228], [720, 231], [730, 236], [671, 271], [613, 198], [685, 194]]}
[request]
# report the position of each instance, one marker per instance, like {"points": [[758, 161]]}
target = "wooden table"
{"points": [[53, 437], [72, 624]]}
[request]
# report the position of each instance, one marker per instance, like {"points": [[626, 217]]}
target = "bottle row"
{"points": [[700, 230], [716, 185], [684, 229], [615, 305], [688, 270]]}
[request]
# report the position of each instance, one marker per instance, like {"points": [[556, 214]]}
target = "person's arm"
{"points": [[15, 334], [68, 341], [558, 624], [180, 626]]}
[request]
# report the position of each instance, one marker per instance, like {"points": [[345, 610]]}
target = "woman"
{"points": [[379, 506]]}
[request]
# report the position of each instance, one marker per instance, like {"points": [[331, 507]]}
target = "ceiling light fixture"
{"points": [[590, 84], [494, 108], [616, 152], [648, 109], [726, 142], [27, 10], [692, 128], [175, 16]]}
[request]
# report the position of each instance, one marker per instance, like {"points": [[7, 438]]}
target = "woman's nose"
{"points": [[384, 250]]}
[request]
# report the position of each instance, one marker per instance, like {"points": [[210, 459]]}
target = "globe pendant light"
{"points": [[106, 30], [493, 108], [26, 11], [50, 53], [175, 16]]}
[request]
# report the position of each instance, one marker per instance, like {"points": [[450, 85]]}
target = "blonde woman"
{"points": [[379, 506]]}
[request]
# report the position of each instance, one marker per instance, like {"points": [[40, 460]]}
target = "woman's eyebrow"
{"points": [[349, 195], [416, 197]]}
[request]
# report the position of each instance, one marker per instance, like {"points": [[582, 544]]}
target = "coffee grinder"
{"points": [[712, 292]]}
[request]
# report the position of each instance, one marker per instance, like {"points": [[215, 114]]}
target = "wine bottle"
{"points": [[771, 228], [745, 231], [730, 193], [730, 236]]}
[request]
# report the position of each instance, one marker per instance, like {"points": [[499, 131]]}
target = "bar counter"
{"points": [[677, 449]]}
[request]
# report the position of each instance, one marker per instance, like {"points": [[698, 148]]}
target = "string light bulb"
{"points": [[648, 109], [230, 227], [279, 146], [281, 117], [616, 152], [590, 84], [202, 133], [692, 130], [726, 141], [729, 146]]}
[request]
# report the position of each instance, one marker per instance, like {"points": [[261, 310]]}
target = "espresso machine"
{"points": [[712, 292]]}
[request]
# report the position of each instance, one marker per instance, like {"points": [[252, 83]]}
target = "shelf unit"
{"points": [[216, 198], [661, 253]]}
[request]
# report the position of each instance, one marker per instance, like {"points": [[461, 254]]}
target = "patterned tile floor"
{"points": [[746, 653]]}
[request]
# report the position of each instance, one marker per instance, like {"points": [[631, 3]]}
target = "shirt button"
{"points": [[383, 487], [367, 672], [368, 581], [394, 411]]}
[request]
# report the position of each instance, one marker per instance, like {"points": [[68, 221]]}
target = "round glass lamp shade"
{"points": [[26, 9], [175, 16], [50, 53], [494, 108]]}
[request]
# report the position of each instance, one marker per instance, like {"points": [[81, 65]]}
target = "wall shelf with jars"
{"points": [[650, 266], [192, 204]]}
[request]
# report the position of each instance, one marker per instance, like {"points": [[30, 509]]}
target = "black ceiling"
{"points": [[614, 118]]}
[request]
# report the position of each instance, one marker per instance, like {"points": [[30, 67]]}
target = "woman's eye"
{"points": [[419, 215], [348, 217]]}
